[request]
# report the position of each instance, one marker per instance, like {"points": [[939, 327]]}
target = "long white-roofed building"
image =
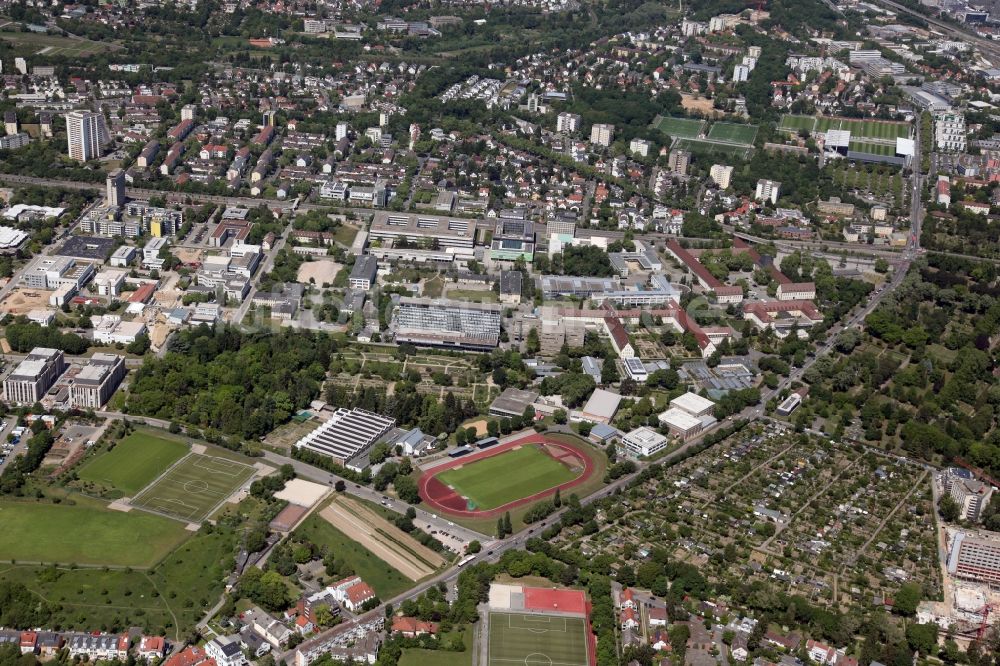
{"points": [[449, 324], [347, 435]]}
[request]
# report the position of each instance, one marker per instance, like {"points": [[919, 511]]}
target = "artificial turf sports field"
{"points": [[733, 132], [537, 640], [192, 488], [679, 127], [506, 477], [134, 462]]}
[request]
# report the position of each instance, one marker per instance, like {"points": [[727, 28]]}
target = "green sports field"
{"points": [[860, 128], [679, 127], [85, 533], [134, 462], [873, 148], [709, 147], [507, 476], [537, 640], [191, 489], [733, 132]]}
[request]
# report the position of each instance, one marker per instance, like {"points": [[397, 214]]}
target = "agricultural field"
{"points": [[133, 463], [522, 638], [389, 543], [679, 127], [733, 133], [507, 477], [386, 581], [194, 487], [84, 533], [862, 129], [53, 45]]}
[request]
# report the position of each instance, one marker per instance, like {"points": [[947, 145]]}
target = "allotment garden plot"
{"points": [[193, 488], [826, 520]]}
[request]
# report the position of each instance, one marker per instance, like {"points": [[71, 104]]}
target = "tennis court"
{"points": [[537, 640], [679, 127], [733, 132], [193, 487]]}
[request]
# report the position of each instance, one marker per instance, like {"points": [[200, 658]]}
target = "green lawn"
{"points": [[345, 234], [506, 477], [386, 581], [420, 657], [170, 599], [85, 599], [85, 533], [193, 576], [52, 44], [475, 295], [134, 462]]}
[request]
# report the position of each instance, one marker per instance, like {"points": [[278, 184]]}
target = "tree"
{"points": [[340, 486], [139, 346], [559, 416], [407, 490], [949, 509], [922, 638], [473, 547], [557, 499], [508, 528], [907, 599], [609, 370]]}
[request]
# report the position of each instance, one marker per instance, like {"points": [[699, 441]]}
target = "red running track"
{"points": [[438, 495]]}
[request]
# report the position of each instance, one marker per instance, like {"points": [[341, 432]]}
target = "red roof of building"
{"points": [[359, 593], [142, 294], [798, 288], [191, 656], [693, 264], [152, 644], [412, 625]]}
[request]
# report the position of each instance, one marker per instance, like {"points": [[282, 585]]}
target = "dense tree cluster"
{"points": [[240, 384], [24, 336]]}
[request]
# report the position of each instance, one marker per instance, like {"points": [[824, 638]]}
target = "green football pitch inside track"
{"points": [[134, 462], [537, 640], [507, 476], [192, 488]]}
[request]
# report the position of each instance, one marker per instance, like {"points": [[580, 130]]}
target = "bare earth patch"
{"points": [[698, 104], [23, 301], [319, 270]]}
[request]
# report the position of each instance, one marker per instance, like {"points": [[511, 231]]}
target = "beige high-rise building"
{"points": [[602, 134], [721, 174], [86, 134]]}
